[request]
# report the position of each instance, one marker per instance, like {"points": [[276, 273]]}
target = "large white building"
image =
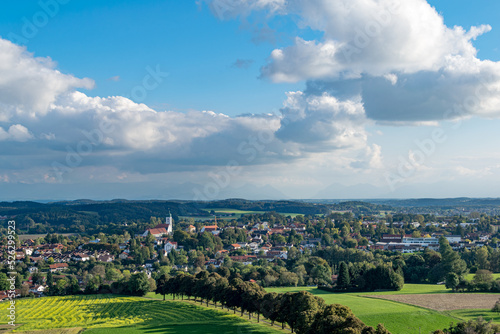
{"points": [[425, 242], [453, 238]]}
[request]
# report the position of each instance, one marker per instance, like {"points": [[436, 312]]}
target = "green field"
{"points": [[397, 317], [238, 213], [109, 314], [410, 289], [100, 314], [471, 276]]}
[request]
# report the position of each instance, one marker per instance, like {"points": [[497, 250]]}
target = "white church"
{"points": [[170, 224], [161, 229]]}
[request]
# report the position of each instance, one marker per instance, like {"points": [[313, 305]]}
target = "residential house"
{"points": [[37, 289], [80, 257], [214, 229], [123, 256], [57, 267], [105, 258], [169, 246], [245, 259]]}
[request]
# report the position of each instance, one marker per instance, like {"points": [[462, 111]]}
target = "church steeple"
{"points": [[170, 222]]}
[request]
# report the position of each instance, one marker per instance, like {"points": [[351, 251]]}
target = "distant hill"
{"points": [[439, 202], [277, 206], [89, 216]]}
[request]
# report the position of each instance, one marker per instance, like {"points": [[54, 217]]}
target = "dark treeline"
{"points": [[302, 311], [137, 284]]}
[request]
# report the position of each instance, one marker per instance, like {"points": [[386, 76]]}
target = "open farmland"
{"points": [[399, 317], [111, 314]]}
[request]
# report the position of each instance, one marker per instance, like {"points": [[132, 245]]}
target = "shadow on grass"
{"points": [[153, 316]]}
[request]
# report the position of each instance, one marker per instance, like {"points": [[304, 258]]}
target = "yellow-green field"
{"points": [[99, 314]]}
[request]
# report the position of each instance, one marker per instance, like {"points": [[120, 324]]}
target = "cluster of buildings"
{"points": [[410, 244], [258, 245]]}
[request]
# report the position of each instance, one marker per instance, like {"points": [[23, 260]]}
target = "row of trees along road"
{"points": [[302, 311]]}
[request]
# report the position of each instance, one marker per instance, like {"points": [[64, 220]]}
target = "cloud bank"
{"points": [[58, 129], [377, 62], [397, 57]]}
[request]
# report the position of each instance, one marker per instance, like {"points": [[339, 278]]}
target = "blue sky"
{"points": [[102, 40], [301, 96]]}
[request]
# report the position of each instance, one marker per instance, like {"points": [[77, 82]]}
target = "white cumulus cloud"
{"points": [[397, 58], [29, 83]]}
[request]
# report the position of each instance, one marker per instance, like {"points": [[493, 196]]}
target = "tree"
{"points": [[37, 278], [219, 290], [200, 287], [416, 234], [343, 280], [152, 284], [481, 258], [382, 277], [99, 270], [4, 283], [496, 308], [50, 278], [18, 281], [161, 285], [299, 309], [138, 284], [233, 296], [60, 287], [478, 326], [113, 274], [450, 262], [321, 274], [269, 306], [336, 318], [452, 281], [187, 285], [381, 330], [252, 297], [73, 288], [93, 284], [25, 289], [483, 280]]}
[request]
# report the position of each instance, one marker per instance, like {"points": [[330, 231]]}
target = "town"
{"points": [[268, 248]]}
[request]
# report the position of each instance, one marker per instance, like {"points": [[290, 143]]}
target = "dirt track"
{"points": [[446, 301]]}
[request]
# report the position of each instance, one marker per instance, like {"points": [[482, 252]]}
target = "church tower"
{"points": [[170, 222]]}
